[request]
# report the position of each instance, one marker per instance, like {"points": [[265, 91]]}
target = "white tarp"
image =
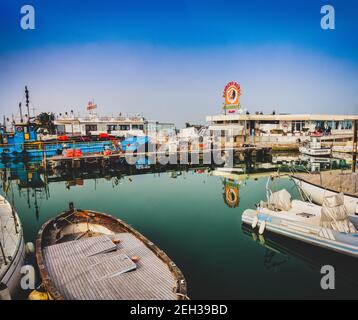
{"points": [[281, 200], [334, 214]]}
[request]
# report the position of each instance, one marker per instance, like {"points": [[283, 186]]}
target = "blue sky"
{"points": [[171, 59]]}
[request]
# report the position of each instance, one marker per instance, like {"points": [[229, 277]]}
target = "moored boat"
{"points": [[12, 250], [87, 255], [318, 186], [328, 226], [314, 148]]}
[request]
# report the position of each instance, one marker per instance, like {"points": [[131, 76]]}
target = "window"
{"points": [[124, 127], [111, 128]]}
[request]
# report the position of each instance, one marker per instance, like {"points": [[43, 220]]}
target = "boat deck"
{"points": [[10, 235], [97, 269], [339, 182]]}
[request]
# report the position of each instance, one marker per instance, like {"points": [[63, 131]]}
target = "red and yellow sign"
{"points": [[91, 106], [232, 92]]}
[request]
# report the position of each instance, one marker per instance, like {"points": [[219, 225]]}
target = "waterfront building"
{"points": [[93, 124], [275, 128], [120, 126], [281, 127]]}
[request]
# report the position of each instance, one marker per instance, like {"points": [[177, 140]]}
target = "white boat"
{"points": [[318, 186], [315, 148], [328, 226], [230, 169], [12, 250]]}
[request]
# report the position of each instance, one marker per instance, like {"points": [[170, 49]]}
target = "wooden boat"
{"points": [[328, 226], [317, 186], [12, 250], [88, 255]]}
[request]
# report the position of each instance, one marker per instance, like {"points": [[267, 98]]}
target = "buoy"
{"points": [[38, 295], [254, 222], [4, 292], [262, 227], [29, 248]]}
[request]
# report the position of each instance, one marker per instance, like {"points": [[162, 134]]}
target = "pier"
{"points": [[182, 157]]}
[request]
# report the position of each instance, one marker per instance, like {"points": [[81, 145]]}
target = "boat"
{"points": [[318, 186], [24, 141], [88, 255], [12, 250], [230, 169], [314, 148], [327, 226]]}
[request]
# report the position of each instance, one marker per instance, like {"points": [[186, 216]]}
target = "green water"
{"points": [[188, 218]]}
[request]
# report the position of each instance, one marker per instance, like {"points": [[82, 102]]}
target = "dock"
{"points": [[119, 158]]}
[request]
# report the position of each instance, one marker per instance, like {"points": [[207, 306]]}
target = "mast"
{"points": [[20, 112], [27, 103]]}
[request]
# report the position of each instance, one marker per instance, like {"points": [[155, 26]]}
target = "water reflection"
{"points": [[31, 179], [193, 198], [280, 250]]}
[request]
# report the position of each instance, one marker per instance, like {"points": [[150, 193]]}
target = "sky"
{"points": [[170, 60]]}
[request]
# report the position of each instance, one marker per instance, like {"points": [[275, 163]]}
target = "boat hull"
{"points": [[12, 276], [324, 152], [313, 235], [317, 194]]}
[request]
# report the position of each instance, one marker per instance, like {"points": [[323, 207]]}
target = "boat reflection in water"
{"points": [[280, 250]]}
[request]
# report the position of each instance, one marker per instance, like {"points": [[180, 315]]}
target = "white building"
{"points": [[284, 127], [95, 125]]}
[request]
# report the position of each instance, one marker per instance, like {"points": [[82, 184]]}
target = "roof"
{"points": [[281, 117]]}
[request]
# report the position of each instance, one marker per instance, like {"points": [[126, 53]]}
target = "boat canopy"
{"points": [[334, 214]]}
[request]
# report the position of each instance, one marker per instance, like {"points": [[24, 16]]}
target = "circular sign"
{"points": [[232, 93]]}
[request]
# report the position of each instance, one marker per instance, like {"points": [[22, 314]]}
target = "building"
{"points": [[281, 127], [118, 126], [95, 125], [274, 128], [152, 127]]}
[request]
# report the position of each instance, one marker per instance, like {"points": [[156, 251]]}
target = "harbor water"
{"points": [[186, 213]]}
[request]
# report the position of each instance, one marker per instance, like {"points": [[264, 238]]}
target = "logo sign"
{"points": [[91, 106], [232, 92]]}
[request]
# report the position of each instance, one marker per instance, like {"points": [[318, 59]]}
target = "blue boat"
{"points": [[23, 142]]}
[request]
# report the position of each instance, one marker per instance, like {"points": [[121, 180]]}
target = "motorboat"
{"points": [[328, 226]]}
